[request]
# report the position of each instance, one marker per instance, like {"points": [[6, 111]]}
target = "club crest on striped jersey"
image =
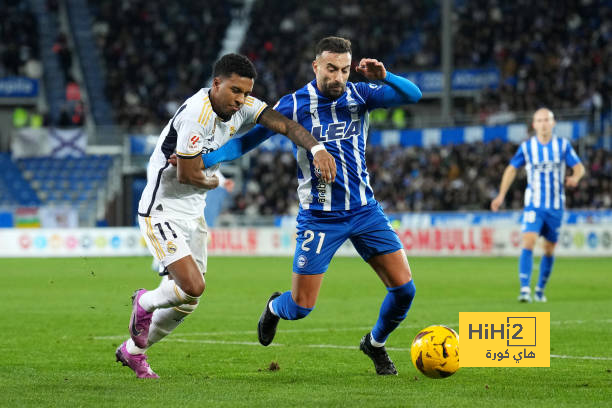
{"points": [[336, 131]]}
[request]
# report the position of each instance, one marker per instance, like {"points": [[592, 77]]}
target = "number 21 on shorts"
{"points": [[310, 235]]}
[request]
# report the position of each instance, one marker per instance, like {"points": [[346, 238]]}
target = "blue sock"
{"points": [[285, 308], [393, 310], [545, 269], [525, 267]]}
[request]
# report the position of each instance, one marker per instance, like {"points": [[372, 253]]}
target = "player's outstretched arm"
{"points": [[297, 134], [238, 146], [400, 91], [507, 179]]}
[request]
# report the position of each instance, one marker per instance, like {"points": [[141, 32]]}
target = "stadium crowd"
{"points": [[545, 59], [157, 53], [19, 48], [549, 55], [445, 178]]}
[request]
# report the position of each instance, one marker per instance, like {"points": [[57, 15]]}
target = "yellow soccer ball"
{"points": [[435, 351]]}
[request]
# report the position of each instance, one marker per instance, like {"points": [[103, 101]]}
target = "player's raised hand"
{"points": [[372, 69], [496, 203], [326, 164]]}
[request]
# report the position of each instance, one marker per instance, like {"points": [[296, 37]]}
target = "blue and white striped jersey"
{"points": [[545, 166], [342, 125]]}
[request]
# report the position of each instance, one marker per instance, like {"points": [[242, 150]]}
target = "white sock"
{"points": [[374, 342], [271, 309], [133, 348], [164, 321], [167, 294]]}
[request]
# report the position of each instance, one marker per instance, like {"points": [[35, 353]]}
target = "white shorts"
{"points": [[170, 240]]}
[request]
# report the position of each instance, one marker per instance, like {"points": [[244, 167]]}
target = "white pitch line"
{"points": [[241, 343], [339, 329], [250, 332], [582, 357], [336, 346], [309, 330], [580, 321], [323, 346]]}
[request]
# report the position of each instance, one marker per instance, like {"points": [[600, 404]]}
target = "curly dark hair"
{"points": [[234, 64], [337, 45]]}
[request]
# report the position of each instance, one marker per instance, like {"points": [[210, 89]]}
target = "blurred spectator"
{"points": [[73, 91], [19, 51], [62, 49]]}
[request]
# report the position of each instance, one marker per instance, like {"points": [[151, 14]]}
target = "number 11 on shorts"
{"points": [[309, 235]]}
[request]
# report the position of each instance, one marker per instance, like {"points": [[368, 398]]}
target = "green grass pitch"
{"points": [[61, 320]]}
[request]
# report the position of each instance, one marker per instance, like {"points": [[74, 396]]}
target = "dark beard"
{"points": [[327, 94]]}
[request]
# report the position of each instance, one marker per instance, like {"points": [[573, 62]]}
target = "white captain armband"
{"points": [[316, 148]]}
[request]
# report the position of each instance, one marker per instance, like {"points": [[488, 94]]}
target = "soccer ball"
{"points": [[435, 351]]}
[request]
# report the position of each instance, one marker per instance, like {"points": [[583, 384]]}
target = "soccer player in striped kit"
{"points": [[336, 113], [544, 156]]}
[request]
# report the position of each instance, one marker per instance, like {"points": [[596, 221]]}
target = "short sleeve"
{"points": [[190, 139], [519, 157], [285, 106], [252, 109], [571, 158]]}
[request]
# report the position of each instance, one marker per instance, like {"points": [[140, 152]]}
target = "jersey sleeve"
{"points": [[395, 91], [571, 158], [251, 111], [191, 139], [285, 106], [518, 160]]}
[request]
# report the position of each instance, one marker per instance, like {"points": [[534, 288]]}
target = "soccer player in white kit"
{"points": [[171, 208]]}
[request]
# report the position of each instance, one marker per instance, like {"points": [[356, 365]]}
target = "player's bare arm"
{"points": [[189, 171], [577, 173], [507, 179], [300, 136], [372, 69]]}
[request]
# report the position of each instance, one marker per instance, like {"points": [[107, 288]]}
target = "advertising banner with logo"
{"points": [[574, 240], [71, 242], [18, 87]]}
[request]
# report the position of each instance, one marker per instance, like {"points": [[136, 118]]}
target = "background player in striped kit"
{"points": [[336, 112], [544, 157], [170, 212]]}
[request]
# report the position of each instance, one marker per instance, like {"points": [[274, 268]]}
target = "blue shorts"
{"points": [[546, 223], [321, 233]]}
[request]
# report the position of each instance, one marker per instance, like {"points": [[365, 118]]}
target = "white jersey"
{"points": [[194, 129]]}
